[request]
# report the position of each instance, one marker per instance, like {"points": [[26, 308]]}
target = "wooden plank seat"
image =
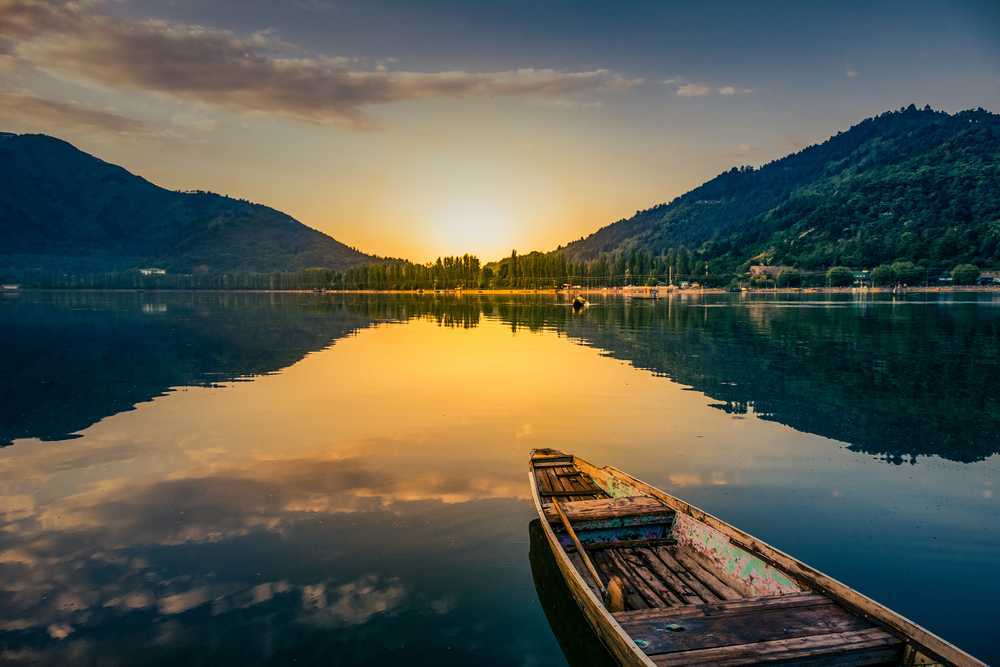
{"points": [[805, 627], [610, 508]]}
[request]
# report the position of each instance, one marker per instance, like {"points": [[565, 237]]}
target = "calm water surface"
{"points": [[214, 479]]}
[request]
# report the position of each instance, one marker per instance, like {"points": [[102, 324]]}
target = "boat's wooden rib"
{"points": [[698, 591]]}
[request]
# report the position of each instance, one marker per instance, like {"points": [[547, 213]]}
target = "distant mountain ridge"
{"points": [[913, 184], [64, 209]]}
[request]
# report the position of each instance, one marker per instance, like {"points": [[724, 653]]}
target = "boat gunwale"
{"points": [[925, 641], [624, 642]]}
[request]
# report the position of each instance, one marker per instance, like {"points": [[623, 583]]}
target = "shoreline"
{"points": [[635, 292]]}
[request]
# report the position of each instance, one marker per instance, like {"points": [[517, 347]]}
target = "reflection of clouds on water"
{"points": [[352, 603], [716, 478], [70, 562]]}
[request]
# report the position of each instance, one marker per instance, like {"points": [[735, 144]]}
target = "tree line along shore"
{"points": [[536, 271]]}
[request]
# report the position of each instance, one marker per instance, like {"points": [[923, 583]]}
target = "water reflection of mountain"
{"points": [[896, 379], [69, 359]]}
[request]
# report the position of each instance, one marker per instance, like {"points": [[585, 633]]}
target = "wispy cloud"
{"points": [[256, 73], [690, 89], [733, 90], [693, 90], [851, 73], [46, 113]]}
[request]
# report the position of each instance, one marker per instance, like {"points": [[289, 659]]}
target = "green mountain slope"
{"points": [[913, 184], [61, 208]]}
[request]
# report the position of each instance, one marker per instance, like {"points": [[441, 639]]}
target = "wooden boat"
{"points": [[695, 590]]}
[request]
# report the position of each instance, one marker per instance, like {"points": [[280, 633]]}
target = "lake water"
{"points": [[230, 478]]}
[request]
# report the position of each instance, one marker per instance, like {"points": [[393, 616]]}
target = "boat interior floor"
{"points": [[680, 609]]}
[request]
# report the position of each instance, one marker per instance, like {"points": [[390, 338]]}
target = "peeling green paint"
{"points": [[754, 576], [615, 487]]}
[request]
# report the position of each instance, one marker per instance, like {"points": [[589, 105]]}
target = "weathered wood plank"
{"points": [[703, 591], [629, 544], [641, 567], [552, 461], [654, 635], [554, 482], [608, 569], [637, 582], [573, 481], [607, 508], [729, 607], [681, 590], [560, 494], [558, 484], [869, 647], [542, 481], [706, 576]]}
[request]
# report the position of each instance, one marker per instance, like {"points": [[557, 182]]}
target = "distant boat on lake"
{"points": [[661, 582]]}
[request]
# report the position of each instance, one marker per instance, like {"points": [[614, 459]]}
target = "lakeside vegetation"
{"points": [[533, 271]]}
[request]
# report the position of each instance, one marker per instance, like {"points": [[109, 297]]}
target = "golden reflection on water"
{"points": [[394, 417], [394, 413]]}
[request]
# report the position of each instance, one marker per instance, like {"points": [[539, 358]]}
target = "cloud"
{"points": [[44, 113], [693, 90], [704, 90], [251, 74], [733, 90], [852, 73]]}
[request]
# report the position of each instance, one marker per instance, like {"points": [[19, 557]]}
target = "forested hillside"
{"points": [[67, 211], [917, 185]]}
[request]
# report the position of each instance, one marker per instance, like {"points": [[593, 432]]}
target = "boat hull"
{"points": [[751, 570]]}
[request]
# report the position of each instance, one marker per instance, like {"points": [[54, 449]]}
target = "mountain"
{"points": [[914, 184], [63, 209]]}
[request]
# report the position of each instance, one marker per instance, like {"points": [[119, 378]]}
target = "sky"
{"points": [[418, 129]]}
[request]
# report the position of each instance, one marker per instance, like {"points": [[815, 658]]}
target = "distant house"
{"points": [[862, 278], [152, 271], [765, 271], [989, 278]]}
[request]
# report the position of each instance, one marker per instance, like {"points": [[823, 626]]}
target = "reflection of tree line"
{"points": [[900, 381], [69, 359], [896, 380]]}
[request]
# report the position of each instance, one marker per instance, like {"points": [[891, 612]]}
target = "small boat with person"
{"points": [[661, 582]]}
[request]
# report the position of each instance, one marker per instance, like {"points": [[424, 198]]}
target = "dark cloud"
{"points": [[25, 107], [251, 74]]}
